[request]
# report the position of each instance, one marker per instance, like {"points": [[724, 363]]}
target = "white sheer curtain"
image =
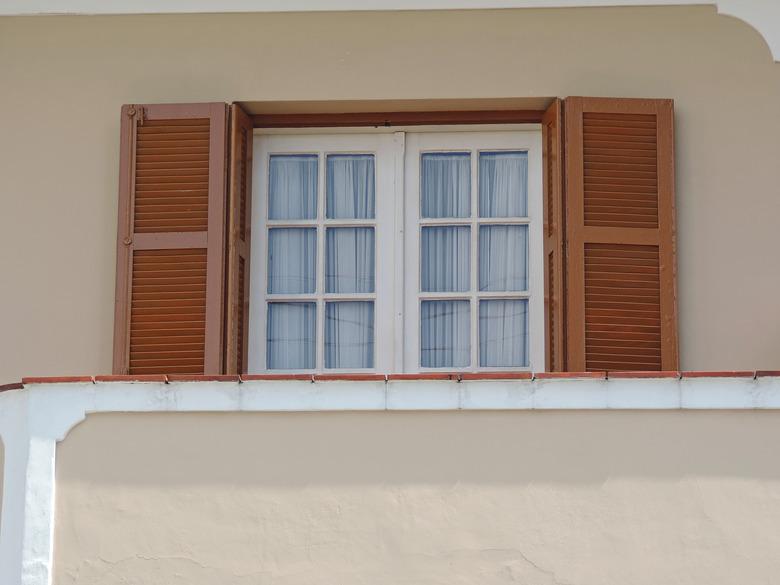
{"points": [[292, 255], [445, 334], [503, 258], [350, 186], [503, 333], [349, 260], [503, 184], [292, 186], [445, 258], [445, 184], [291, 332], [349, 334]]}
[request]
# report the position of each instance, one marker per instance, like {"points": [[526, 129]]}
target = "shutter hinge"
{"points": [[136, 112]]}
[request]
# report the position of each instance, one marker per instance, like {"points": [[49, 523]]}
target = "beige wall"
{"points": [[427, 498], [64, 79]]}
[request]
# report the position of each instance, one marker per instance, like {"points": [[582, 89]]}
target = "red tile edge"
{"points": [[350, 377], [637, 374], [497, 376], [11, 386], [201, 378], [767, 373], [276, 377], [725, 374], [56, 379], [566, 375], [424, 376], [133, 378]]}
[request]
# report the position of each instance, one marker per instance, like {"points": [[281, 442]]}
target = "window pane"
{"points": [[445, 258], [292, 255], [445, 184], [503, 184], [292, 186], [349, 335], [503, 333], [350, 186], [290, 335], [445, 334], [349, 260], [503, 257]]}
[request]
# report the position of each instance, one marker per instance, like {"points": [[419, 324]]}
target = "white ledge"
{"points": [[35, 417]]}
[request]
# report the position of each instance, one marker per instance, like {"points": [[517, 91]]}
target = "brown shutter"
{"points": [[621, 290], [552, 149], [170, 252], [239, 221]]}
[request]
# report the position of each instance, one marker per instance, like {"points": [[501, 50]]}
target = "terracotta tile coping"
{"points": [[161, 378]]}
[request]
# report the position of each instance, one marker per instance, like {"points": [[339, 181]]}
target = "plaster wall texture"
{"points": [[413, 497], [65, 78]]}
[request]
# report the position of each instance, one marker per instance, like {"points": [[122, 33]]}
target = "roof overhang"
{"points": [[763, 15]]}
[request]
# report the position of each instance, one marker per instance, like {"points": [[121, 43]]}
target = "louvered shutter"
{"points": [[239, 221], [552, 149], [170, 251], [621, 290]]}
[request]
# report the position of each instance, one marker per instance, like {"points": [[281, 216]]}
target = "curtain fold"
{"points": [[445, 334], [292, 186], [445, 259], [350, 186], [503, 258], [349, 334], [291, 334], [292, 256], [349, 260], [503, 333], [503, 184], [445, 184]]}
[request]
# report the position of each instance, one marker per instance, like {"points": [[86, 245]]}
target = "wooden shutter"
{"points": [[170, 251], [552, 149], [620, 242], [239, 221]]}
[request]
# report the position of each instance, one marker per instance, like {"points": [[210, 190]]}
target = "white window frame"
{"points": [[381, 146], [397, 234], [474, 142]]}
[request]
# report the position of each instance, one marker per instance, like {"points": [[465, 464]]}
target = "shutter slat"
{"points": [[621, 304], [172, 181]]}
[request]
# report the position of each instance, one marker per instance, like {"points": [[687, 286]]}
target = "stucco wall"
{"points": [[64, 79], [428, 498]]}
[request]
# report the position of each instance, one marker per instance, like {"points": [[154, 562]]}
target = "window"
{"points": [[436, 264], [396, 252]]}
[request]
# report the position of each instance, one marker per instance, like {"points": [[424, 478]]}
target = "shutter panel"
{"points": [[552, 150], [239, 222], [170, 250], [620, 242]]}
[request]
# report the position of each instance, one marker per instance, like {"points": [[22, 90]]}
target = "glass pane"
{"points": [[350, 186], [445, 334], [503, 257], [292, 255], [445, 259], [349, 334], [349, 260], [503, 333], [445, 184], [503, 184], [292, 186], [290, 335]]}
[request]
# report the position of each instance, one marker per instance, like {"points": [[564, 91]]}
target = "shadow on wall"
{"points": [[395, 448]]}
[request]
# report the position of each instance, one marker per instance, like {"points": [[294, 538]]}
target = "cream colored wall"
{"points": [[64, 79], [428, 498]]}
